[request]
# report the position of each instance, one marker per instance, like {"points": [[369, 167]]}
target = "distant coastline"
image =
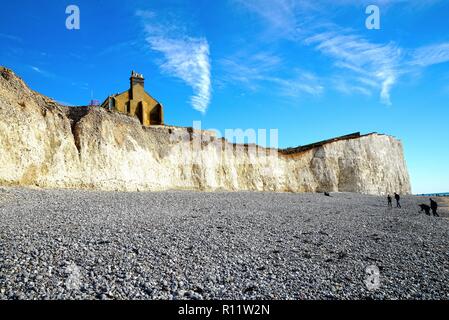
{"points": [[442, 194]]}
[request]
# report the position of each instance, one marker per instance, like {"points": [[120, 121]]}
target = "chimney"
{"points": [[137, 78]]}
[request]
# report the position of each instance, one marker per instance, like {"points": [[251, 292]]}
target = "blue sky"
{"points": [[308, 68]]}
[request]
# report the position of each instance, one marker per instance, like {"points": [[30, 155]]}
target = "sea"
{"points": [[443, 194]]}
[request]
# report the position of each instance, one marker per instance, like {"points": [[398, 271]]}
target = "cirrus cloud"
{"points": [[368, 66], [184, 57]]}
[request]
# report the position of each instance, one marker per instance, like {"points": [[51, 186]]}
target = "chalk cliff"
{"points": [[47, 145]]}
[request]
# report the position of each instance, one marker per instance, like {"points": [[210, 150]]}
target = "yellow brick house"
{"points": [[137, 102]]}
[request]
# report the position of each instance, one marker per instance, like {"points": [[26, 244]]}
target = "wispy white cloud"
{"points": [[369, 67], [280, 14], [347, 87], [11, 37], [44, 73], [184, 57], [299, 84], [377, 63], [261, 70], [56, 77], [188, 59], [249, 69], [430, 55], [118, 47]]}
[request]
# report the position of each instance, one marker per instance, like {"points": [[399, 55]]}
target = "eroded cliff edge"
{"points": [[44, 144]]}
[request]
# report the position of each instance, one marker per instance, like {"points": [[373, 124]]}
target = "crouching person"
{"points": [[426, 208]]}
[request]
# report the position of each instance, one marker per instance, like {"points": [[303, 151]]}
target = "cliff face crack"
{"points": [[76, 138], [75, 115]]}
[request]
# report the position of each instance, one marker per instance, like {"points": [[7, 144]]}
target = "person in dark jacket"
{"points": [[434, 207], [398, 199], [390, 201]]}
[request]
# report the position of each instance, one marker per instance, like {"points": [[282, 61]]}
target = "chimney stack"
{"points": [[137, 78]]}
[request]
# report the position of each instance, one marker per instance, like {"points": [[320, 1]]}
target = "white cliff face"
{"points": [[41, 146]]}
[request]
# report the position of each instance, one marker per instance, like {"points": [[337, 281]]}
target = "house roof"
{"points": [[118, 94]]}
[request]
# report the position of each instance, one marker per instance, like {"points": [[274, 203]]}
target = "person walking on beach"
{"points": [[434, 207], [390, 201], [398, 199]]}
